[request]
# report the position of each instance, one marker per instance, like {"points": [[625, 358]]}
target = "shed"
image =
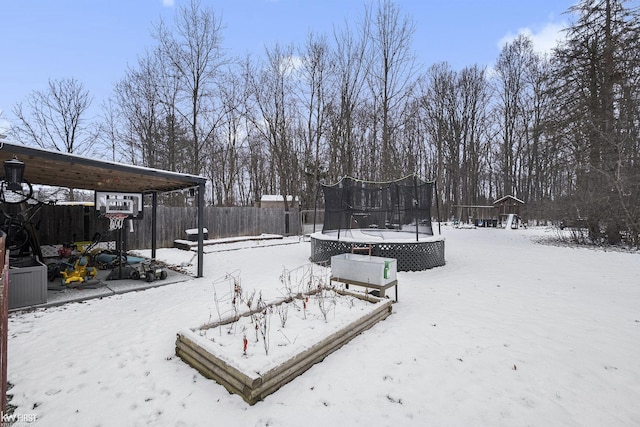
{"points": [[277, 201], [508, 205], [54, 168]]}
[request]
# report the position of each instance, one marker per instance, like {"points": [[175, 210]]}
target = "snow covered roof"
{"points": [[47, 167], [276, 198], [502, 199]]}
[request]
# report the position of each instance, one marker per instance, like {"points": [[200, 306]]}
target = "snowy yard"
{"points": [[509, 332]]}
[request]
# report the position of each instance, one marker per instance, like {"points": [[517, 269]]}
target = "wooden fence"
{"points": [[59, 224]]}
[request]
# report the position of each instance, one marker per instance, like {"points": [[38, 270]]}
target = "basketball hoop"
{"points": [[116, 220]]}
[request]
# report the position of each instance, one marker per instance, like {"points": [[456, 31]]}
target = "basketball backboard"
{"points": [[130, 204]]}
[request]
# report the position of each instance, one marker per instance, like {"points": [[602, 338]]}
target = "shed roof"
{"points": [[46, 167], [505, 198], [276, 198]]}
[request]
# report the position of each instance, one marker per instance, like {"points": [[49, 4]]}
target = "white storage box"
{"points": [[364, 268], [27, 284]]}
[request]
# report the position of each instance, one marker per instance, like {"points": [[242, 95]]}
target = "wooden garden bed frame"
{"points": [[255, 387]]}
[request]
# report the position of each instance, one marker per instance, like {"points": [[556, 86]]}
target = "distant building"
{"points": [[277, 201], [508, 211], [508, 205], [494, 215]]}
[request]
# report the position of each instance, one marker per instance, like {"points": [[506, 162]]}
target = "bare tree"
{"points": [[149, 130], [137, 96], [435, 86], [456, 121], [56, 119], [597, 84], [392, 78], [351, 62], [227, 155], [194, 54], [473, 118], [512, 88], [438, 89], [313, 92], [109, 131], [174, 139], [272, 108]]}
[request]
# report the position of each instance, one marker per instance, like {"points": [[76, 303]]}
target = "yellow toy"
{"points": [[77, 273]]}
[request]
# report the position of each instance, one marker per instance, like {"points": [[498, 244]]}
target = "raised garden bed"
{"points": [[252, 354]]}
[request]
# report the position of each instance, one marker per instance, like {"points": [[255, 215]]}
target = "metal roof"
{"points": [[55, 168]]}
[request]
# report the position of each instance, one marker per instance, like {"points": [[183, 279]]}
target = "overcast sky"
{"points": [[93, 41]]}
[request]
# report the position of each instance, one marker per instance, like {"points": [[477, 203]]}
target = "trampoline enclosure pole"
{"points": [[435, 187], [416, 203]]}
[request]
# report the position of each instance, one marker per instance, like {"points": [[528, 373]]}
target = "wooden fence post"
{"points": [[4, 321]]}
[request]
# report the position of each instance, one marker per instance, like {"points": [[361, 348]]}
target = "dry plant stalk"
{"points": [[283, 311]]}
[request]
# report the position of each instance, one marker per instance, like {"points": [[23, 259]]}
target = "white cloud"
{"points": [[168, 3], [291, 64], [295, 63], [5, 125], [544, 39]]}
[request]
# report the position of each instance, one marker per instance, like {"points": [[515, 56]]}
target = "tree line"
{"points": [[559, 131]]}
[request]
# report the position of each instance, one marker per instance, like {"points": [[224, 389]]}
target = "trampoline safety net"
{"points": [[401, 205]]}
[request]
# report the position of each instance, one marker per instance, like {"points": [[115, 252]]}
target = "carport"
{"points": [[54, 168]]}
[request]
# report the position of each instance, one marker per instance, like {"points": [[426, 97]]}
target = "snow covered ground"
{"points": [[510, 332]]}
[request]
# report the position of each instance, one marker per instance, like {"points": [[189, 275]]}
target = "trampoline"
{"points": [[388, 219]]}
